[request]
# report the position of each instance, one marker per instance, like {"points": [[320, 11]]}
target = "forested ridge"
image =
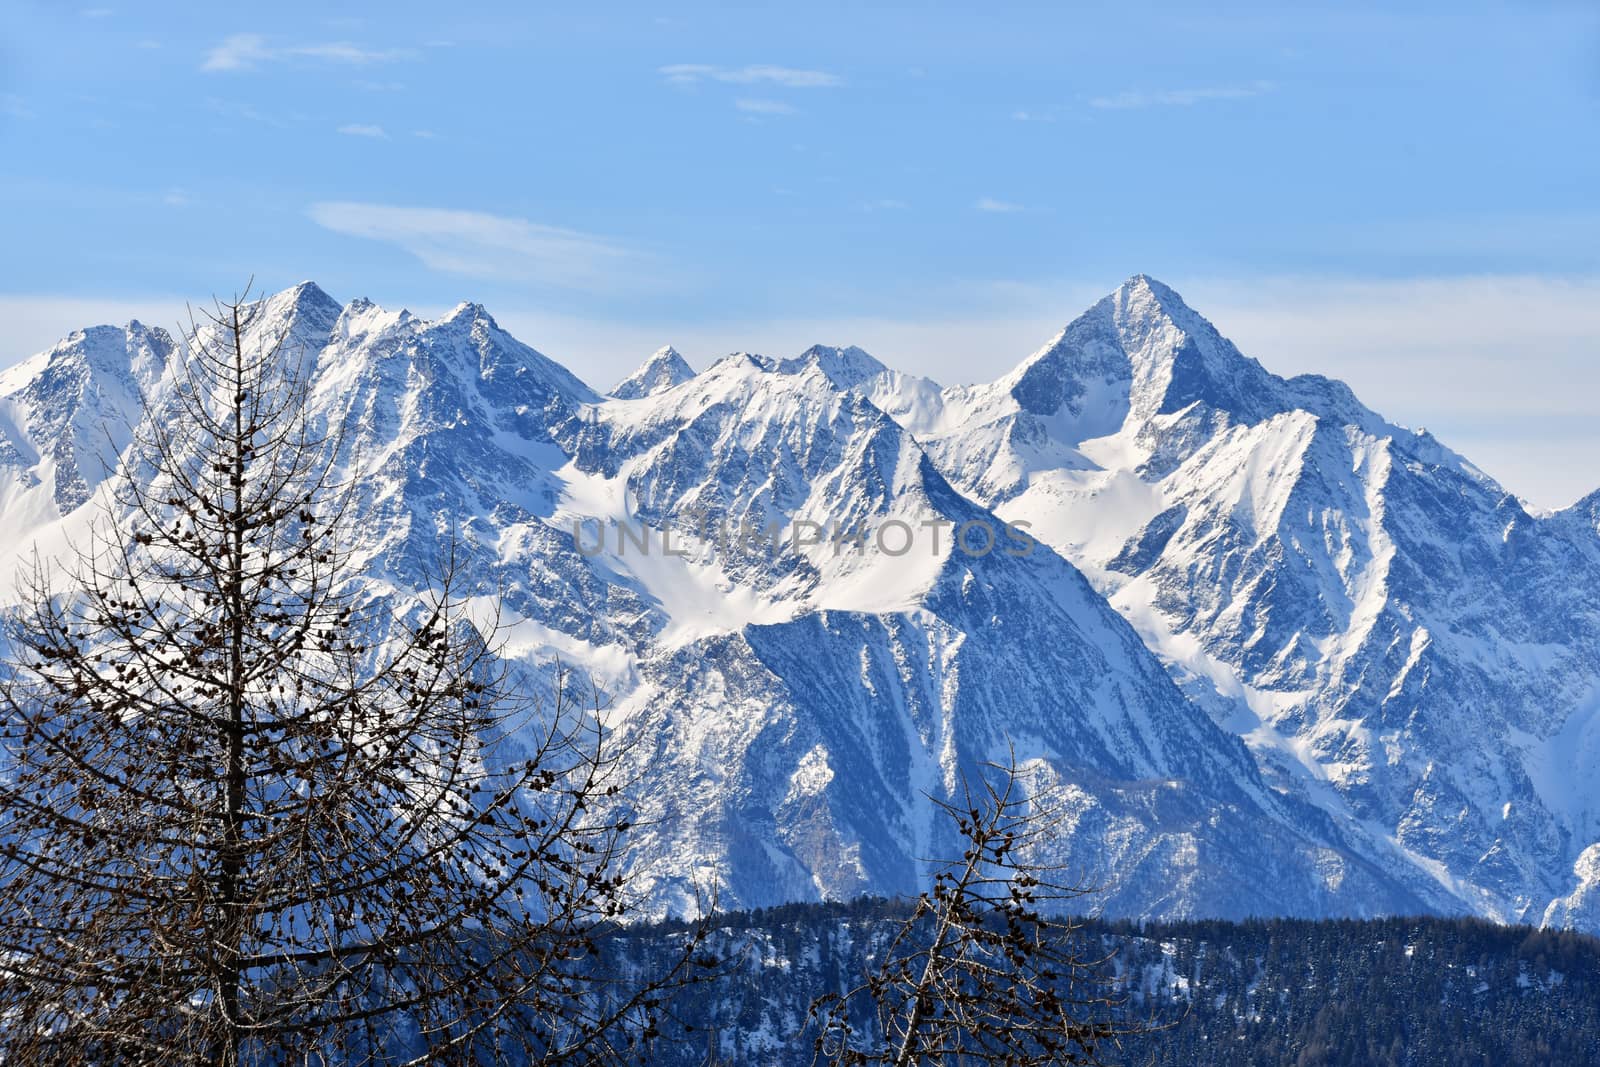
{"points": [[1410, 992]]}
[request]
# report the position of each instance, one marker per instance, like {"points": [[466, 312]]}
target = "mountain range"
{"points": [[1280, 655]]}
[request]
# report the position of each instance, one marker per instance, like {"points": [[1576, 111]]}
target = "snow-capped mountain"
{"points": [[1393, 634], [1282, 656], [797, 703]]}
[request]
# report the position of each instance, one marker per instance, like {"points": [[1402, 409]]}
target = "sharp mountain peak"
{"points": [[665, 368]]}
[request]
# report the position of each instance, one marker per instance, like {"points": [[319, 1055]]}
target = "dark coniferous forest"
{"points": [[1401, 992]]}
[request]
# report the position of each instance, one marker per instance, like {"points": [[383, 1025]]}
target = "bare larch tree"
{"points": [[252, 814], [987, 969]]}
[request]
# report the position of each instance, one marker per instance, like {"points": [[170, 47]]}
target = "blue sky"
{"points": [[1406, 199]]}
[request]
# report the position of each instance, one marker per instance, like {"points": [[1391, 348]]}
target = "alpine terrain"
{"points": [[1283, 657]]}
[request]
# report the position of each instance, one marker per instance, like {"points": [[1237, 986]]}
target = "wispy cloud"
{"points": [[339, 52], [13, 106], [886, 204], [358, 129], [242, 51], [247, 51], [234, 110], [1180, 97], [764, 107], [481, 245], [788, 77], [999, 207], [1031, 116]]}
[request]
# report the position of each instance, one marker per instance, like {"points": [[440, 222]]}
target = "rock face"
{"points": [[1281, 656]]}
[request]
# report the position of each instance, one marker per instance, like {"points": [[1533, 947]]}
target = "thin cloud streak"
{"points": [[357, 129], [481, 245], [764, 107], [788, 77], [248, 51], [1179, 97]]}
